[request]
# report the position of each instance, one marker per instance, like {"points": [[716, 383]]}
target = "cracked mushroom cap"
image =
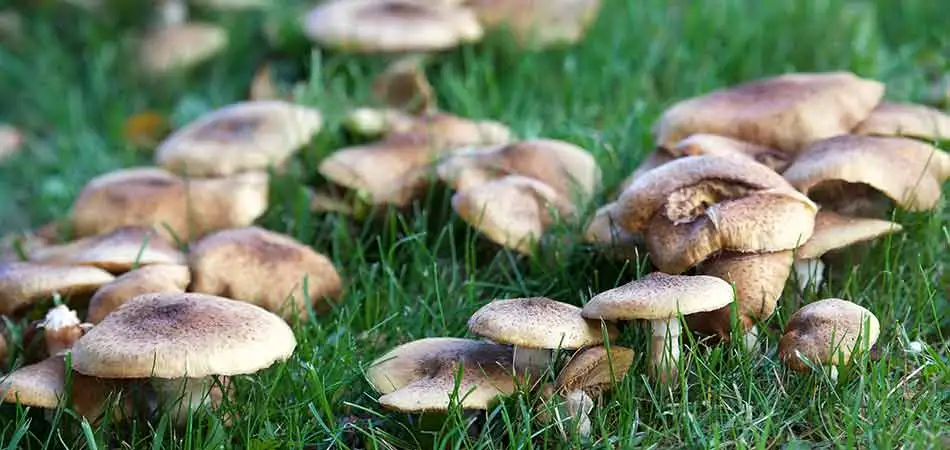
{"points": [[172, 335], [420, 375], [786, 112], [711, 144], [22, 284], [834, 231], [906, 119], [907, 171], [827, 332], [538, 23], [240, 137], [264, 268], [595, 369], [42, 385], [145, 280], [179, 47], [537, 322], [390, 26], [117, 251], [659, 296]]}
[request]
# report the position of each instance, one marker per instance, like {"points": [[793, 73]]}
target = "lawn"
{"points": [[422, 272]]}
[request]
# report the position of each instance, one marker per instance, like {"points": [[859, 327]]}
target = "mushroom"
{"points": [[786, 112], [906, 119], [11, 141], [244, 136], [711, 144], [22, 284], [834, 231], [604, 230], [537, 24], [61, 329], [403, 85], [590, 372], [180, 46], [264, 268], [117, 251], [145, 280], [658, 298], [828, 333]]}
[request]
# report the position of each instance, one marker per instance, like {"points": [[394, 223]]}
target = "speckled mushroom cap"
{"points": [[41, 385], [244, 136], [827, 332], [388, 26], [264, 268], [172, 48], [173, 335], [116, 251], [906, 119], [537, 322], [711, 144], [538, 23], [907, 171], [21, 284], [659, 296], [785, 112], [145, 280], [593, 369], [834, 231]]}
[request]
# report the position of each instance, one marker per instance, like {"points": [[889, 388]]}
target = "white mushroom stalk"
{"points": [[531, 357], [577, 408], [809, 272], [61, 329], [665, 349], [172, 12]]}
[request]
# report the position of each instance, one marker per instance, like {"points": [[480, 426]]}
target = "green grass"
{"points": [[421, 273]]}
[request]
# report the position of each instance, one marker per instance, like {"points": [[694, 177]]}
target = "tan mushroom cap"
{"points": [[659, 296], [116, 251], [42, 385], [711, 144], [244, 136], [384, 26], [264, 268], [594, 369], [172, 335], [537, 322], [834, 231], [538, 23], [179, 47], [908, 171], [785, 112], [145, 280], [906, 119], [21, 284], [827, 332]]}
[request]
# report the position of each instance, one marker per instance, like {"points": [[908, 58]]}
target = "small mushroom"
{"points": [[658, 298], [711, 144], [264, 268], [244, 136], [906, 119], [145, 280], [11, 141], [828, 333], [586, 376], [403, 85], [117, 251], [22, 284], [175, 47], [61, 329], [538, 24]]}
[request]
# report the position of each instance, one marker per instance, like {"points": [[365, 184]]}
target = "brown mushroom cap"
{"points": [[116, 251], [21, 284], [390, 26], [41, 385], [264, 268], [834, 231], [711, 144], [172, 335], [594, 369], [148, 279], [907, 171], [659, 296], [536, 322], [785, 112], [244, 136], [827, 332], [538, 24], [179, 47], [906, 119]]}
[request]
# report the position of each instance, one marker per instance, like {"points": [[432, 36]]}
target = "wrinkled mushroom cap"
{"points": [[594, 369], [21, 284], [906, 119], [251, 135], [827, 332], [264, 268], [536, 322], [41, 385], [538, 23], [785, 112], [390, 26], [116, 251], [659, 296], [172, 335], [145, 280], [834, 231], [179, 47], [711, 144]]}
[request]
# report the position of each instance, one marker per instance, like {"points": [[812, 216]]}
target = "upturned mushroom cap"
{"points": [[244, 136], [21, 284], [906, 119], [179, 47], [711, 144], [785, 112], [827, 332], [594, 369], [537, 322], [834, 231], [907, 171], [264, 268], [385, 26], [538, 23], [42, 385], [117, 251], [145, 280], [659, 296], [172, 335]]}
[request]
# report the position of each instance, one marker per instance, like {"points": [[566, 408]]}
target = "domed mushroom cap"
{"points": [[536, 322], [244, 136], [711, 144], [390, 26], [179, 47], [145, 280], [21, 284], [42, 385], [117, 251], [907, 171], [538, 24], [595, 368], [171, 335], [264, 268], [785, 112], [659, 296], [906, 119], [827, 332], [834, 231]]}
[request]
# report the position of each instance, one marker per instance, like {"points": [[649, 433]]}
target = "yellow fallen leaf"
{"points": [[145, 129]]}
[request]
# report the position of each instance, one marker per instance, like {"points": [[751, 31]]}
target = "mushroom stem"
{"points": [[809, 272], [665, 349], [179, 396], [751, 339], [525, 357], [61, 329], [172, 12], [832, 372], [579, 405]]}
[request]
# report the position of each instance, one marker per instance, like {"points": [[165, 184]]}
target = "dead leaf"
{"points": [[404, 85], [11, 141], [145, 129]]}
